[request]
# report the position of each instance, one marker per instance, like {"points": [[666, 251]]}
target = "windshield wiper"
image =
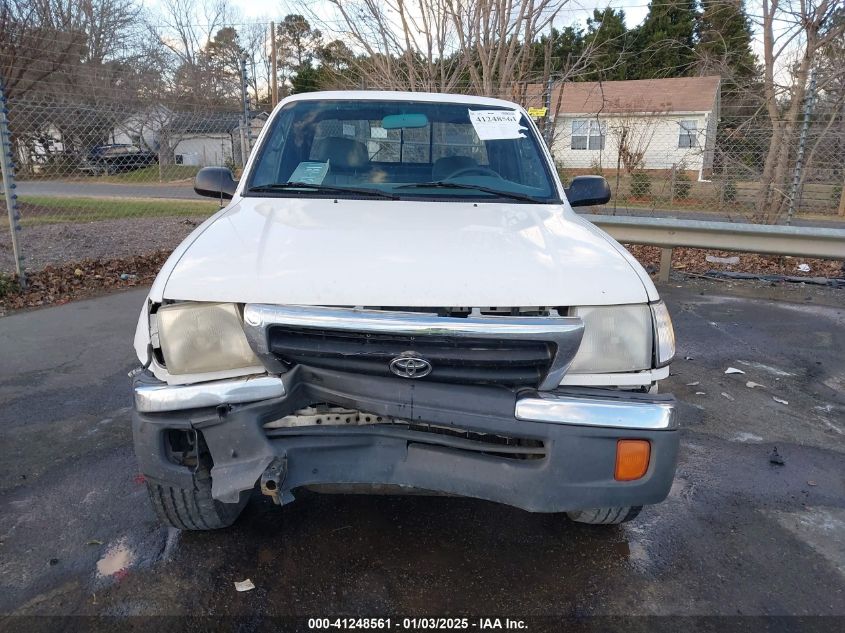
{"points": [[282, 186], [445, 184]]}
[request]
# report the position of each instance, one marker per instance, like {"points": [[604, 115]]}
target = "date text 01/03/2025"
{"points": [[412, 624]]}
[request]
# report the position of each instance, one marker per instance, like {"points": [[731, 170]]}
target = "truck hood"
{"points": [[402, 253]]}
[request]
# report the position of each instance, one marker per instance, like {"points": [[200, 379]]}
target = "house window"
{"points": [[686, 134], [588, 134]]}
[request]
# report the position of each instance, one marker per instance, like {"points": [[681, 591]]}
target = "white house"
{"points": [[36, 148], [202, 139], [647, 124]]}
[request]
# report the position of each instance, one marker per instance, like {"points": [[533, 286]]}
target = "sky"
{"points": [[575, 11]]}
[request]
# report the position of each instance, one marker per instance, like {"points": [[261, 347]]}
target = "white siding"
{"points": [[205, 150], [143, 128], [658, 135]]}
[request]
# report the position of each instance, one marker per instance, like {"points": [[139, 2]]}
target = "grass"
{"points": [[694, 205], [51, 210], [151, 175], [818, 199], [144, 176]]}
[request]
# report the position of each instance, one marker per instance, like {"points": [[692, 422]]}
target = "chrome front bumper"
{"points": [[158, 397], [625, 411]]}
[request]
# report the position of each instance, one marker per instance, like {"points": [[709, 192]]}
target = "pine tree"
{"points": [[665, 41], [612, 44], [567, 47], [219, 62], [724, 40], [306, 79]]}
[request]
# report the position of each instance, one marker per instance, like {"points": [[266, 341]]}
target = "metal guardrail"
{"points": [[667, 233]]}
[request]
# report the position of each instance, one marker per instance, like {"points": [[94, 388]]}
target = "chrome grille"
{"points": [[508, 350]]}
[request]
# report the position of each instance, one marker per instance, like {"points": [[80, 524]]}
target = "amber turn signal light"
{"points": [[631, 459]]}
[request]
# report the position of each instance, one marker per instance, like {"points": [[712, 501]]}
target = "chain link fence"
{"points": [[670, 166], [113, 179]]}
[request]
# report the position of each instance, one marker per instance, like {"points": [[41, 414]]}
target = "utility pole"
{"points": [[547, 102], [809, 101], [246, 142], [274, 99], [8, 169]]}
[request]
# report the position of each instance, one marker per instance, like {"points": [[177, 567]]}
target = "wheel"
{"points": [[605, 516], [194, 509]]}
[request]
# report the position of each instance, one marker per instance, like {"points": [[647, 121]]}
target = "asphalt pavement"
{"points": [[738, 534], [86, 189]]}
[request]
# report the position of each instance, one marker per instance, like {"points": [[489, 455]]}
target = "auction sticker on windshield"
{"points": [[494, 125]]}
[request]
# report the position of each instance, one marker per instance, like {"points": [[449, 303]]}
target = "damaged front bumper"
{"points": [[540, 451]]}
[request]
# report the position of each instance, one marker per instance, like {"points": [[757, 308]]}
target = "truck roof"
{"points": [[388, 95]]}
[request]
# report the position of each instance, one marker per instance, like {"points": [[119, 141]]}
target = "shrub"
{"points": [[8, 285], [729, 191], [640, 184], [683, 185], [564, 176]]}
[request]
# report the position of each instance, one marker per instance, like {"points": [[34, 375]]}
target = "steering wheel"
{"points": [[484, 171]]}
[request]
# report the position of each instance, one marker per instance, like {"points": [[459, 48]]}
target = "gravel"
{"points": [[54, 244]]}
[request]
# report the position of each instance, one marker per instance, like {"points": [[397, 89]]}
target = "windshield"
{"points": [[405, 149]]}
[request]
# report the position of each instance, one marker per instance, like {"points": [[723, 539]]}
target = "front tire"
{"points": [[194, 509], [605, 516]]}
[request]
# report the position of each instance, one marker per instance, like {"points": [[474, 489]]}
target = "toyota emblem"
{"points": [[410, 367]]}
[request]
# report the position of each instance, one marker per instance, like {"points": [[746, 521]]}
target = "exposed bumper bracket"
{"points": [[274, 477]]}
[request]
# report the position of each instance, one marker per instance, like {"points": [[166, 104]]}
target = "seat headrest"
{"points": [[341, 152], [450, 164]]}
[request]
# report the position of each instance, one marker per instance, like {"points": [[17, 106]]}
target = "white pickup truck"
{"points": [[399, 297]]}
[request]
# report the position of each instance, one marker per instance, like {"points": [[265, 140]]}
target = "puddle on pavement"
{"points": [[775, 371], [118, 558], [170, 544], [821, 528], [746, 437]]}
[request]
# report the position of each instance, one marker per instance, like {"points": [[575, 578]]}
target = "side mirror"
{"points": [[215, 182], [585, 191]]}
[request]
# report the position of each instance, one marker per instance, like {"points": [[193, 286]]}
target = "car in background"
{"points": [[115, 158]]}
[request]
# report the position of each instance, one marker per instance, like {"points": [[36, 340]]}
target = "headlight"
{"points": [[203, 337], [664, 334], [616, 339]]}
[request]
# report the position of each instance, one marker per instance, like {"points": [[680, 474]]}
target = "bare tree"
{"points": [[38, 45], [184, 28], [795, 33], [109, 27], [633, 135], [254, 38], [474, 46]]}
